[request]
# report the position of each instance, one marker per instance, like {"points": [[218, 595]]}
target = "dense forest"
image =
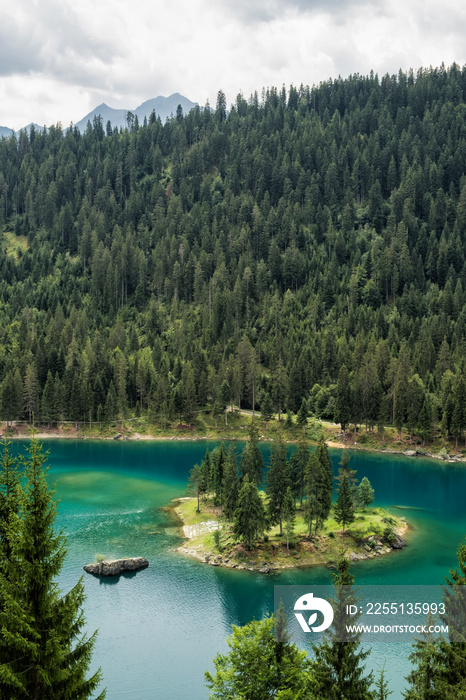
{"points": [[305, 247]]}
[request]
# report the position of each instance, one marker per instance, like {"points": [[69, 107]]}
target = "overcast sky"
{"points": [[60, 59]]}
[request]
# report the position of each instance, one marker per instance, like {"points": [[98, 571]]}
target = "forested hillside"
{"points": [[304, 244]]}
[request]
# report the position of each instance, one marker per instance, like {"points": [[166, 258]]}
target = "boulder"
{"points": [[265, 569], [115, 567], [398, 543]]}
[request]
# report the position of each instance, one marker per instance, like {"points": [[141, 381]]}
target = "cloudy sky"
{"points": [[59, 59]]}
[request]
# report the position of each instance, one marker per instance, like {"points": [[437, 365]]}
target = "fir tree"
{"points": [[217, 465], [382, 688], [252, 462], [9, 506], [249, 515], [343, 511], [278, 480], [297, 465], [49, 656], [423, 679], [424, 423], [289, 515], [343, 402], [266, 408], [338, 667], [195, 483], [303, 414], [230, 484], [452, 652]]}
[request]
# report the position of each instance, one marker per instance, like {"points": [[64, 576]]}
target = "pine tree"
{"points": [[230, 484], [266, 408], [318, 492], [249, 515], [49, 656], [343, 402], [278, 480], [324, 490], [9, 506], [338, 666], [423, 679], [303, 414], [217, 465], [252, 462], [424, 423], [452, 652], [382, 688], [343, 511], [289, 515], [195, 481], [297, 465]]}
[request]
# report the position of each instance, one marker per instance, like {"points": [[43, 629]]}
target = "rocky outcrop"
{"points": [[115, 567]]}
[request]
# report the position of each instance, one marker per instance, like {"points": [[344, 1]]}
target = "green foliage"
{"points": [[252, 462], [230, 486], [259, 664], [278, 482], [47, 654], [160, 268], [343, 510], [249, 523], [289, 515], [217, 540], [338, 667], [365, 492]]}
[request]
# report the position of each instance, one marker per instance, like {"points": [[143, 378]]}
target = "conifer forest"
{"points": [[305, 244]]}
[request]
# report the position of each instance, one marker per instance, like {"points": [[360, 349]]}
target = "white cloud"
{"points": [[58, 60]]}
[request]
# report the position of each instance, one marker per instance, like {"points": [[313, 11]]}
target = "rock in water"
{"points": [[115, 567]]}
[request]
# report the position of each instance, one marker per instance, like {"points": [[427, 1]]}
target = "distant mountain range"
{"points": [[163, 106]]}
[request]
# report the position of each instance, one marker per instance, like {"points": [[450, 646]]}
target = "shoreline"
{"points": [[124, 435], [272, 558]]}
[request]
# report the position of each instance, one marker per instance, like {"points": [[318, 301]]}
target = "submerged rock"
{"points": [[115, 567]]}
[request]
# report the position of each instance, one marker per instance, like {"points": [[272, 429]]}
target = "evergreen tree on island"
{"points": [[48, 655], [343, 510], [249, 515], [278, 480], [252, 462], [230, 484]]}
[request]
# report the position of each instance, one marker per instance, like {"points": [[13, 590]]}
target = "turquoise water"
{"points": [[160, 628]]}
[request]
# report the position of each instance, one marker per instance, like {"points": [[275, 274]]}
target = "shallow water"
{"points": [[160, 628]]}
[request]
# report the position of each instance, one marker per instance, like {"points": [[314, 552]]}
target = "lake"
{"points": [[160, 628]]}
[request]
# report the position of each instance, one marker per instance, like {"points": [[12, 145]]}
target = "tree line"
{"points": [[305, 479], [243, 256], [263, 662]]}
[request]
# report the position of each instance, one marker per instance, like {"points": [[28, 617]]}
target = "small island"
{"points": [[210, 539], [239, 519]]}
